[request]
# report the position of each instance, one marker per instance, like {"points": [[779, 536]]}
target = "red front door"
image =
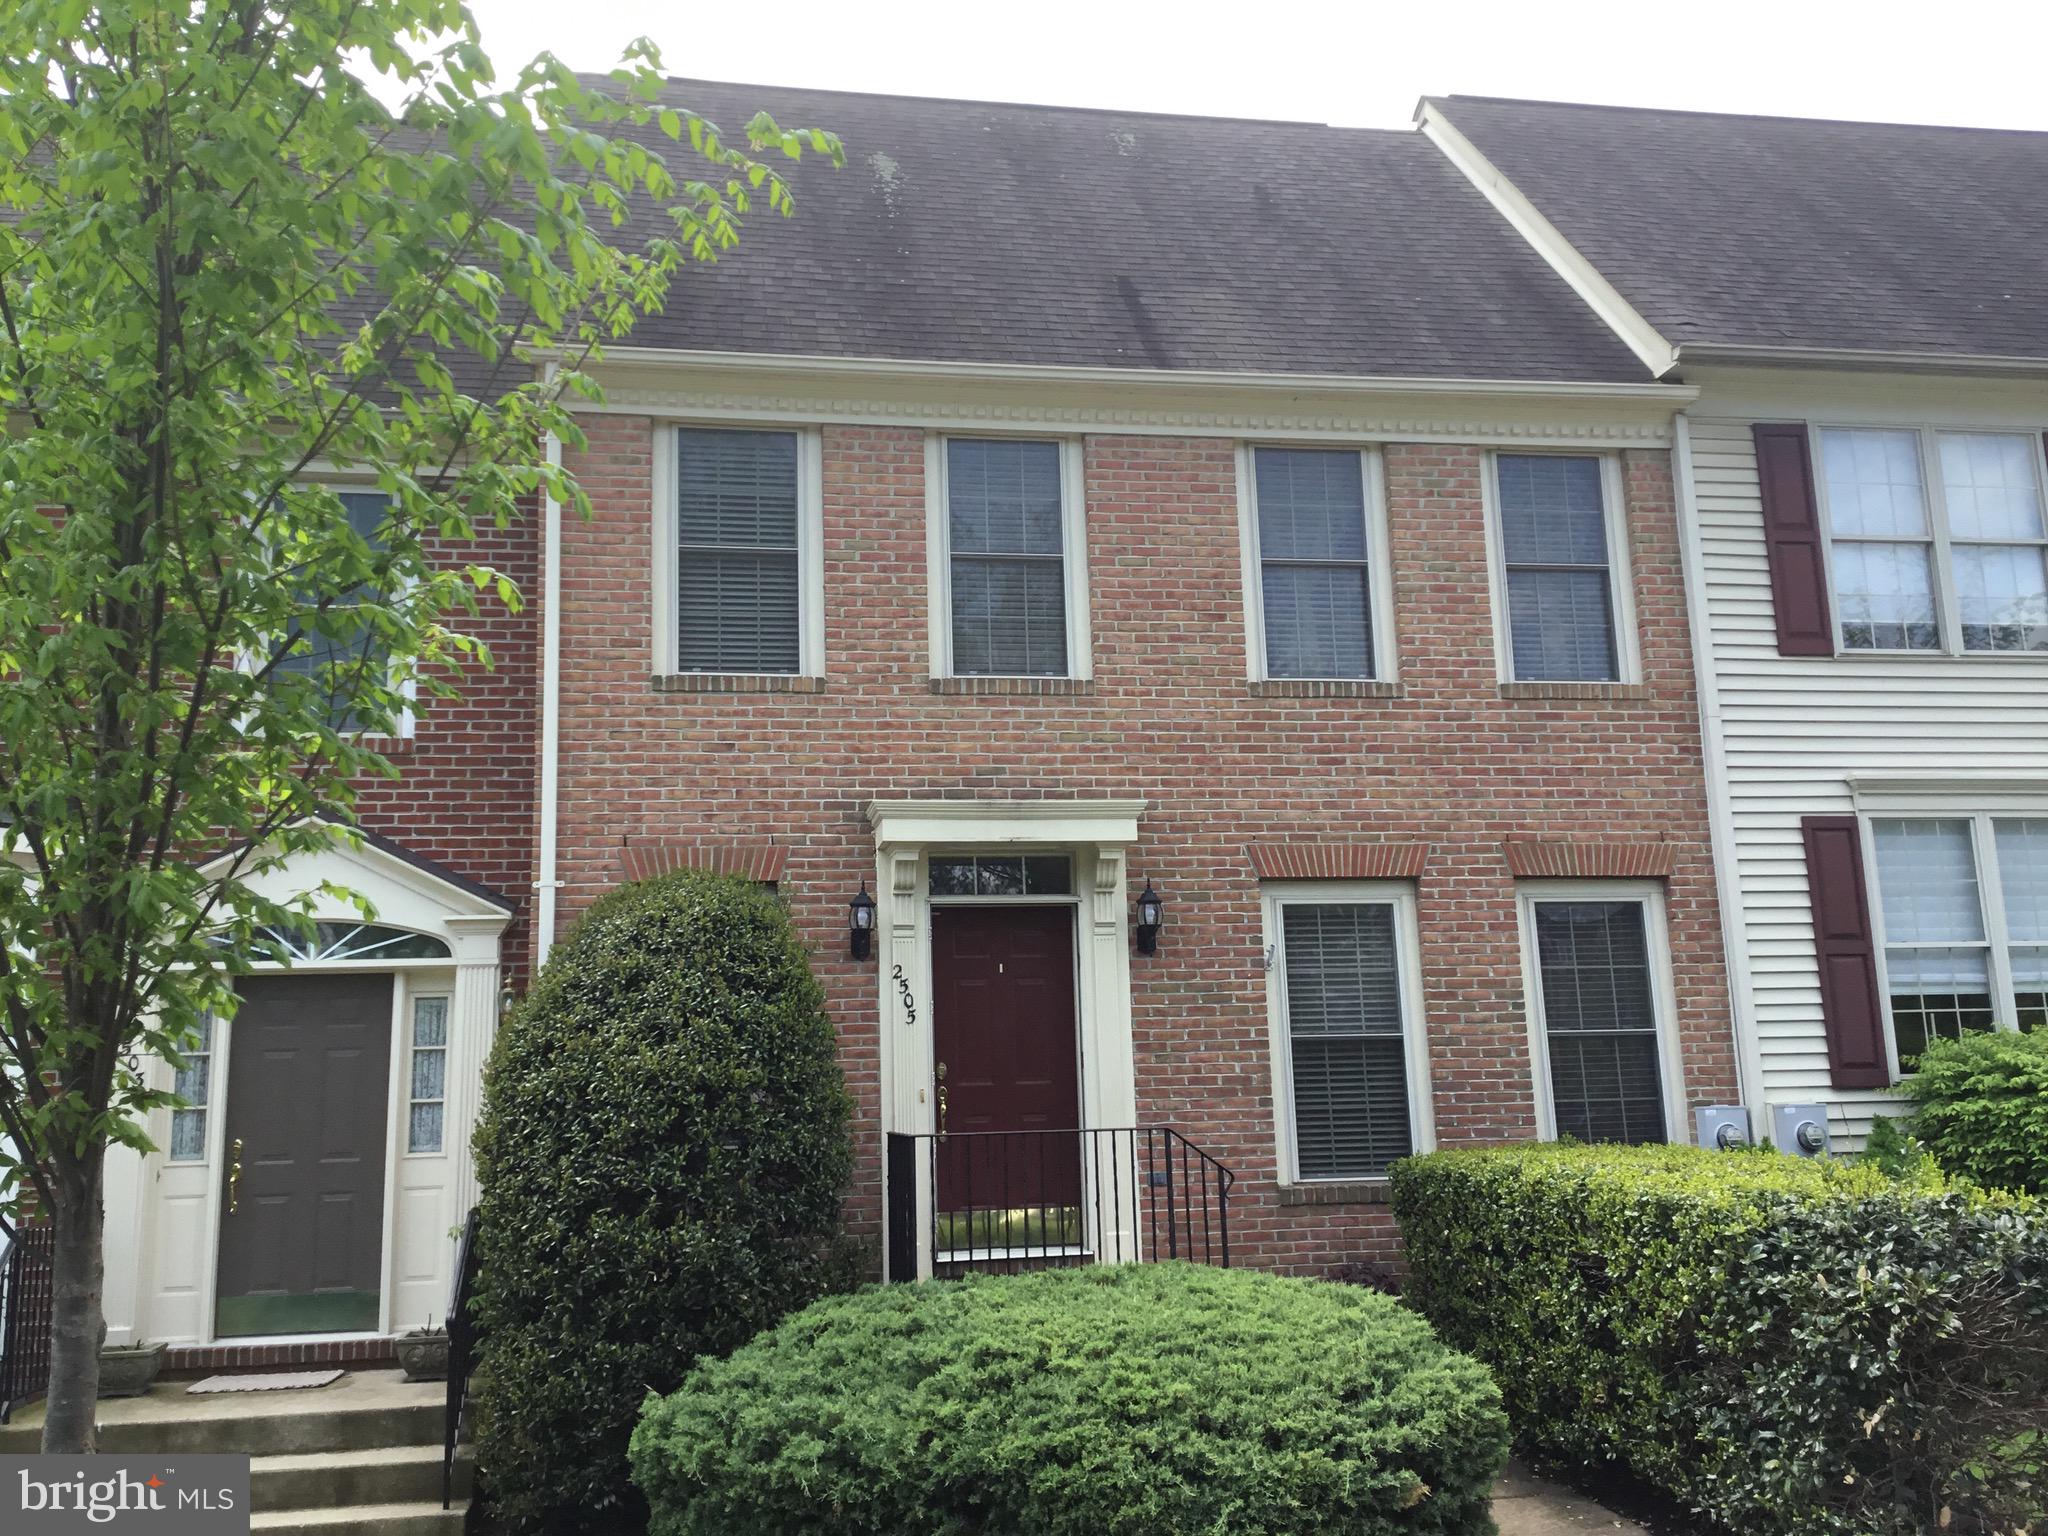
{"points": [[1008, 1074]]}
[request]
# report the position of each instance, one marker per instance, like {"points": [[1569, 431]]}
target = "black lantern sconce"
{"points": [[862, 933], [1150, 909]]}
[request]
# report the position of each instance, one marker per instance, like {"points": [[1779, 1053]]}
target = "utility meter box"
{"points": [[1721, 1126], [1800, 1129]]}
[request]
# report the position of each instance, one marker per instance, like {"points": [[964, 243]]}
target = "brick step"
{"points": [[392, 1474], [416, 1519]]}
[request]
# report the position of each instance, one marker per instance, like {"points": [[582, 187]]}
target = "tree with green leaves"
{"points": [[235, 285]]}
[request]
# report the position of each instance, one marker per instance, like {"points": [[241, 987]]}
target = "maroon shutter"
{"points": [[1798, 555], [1847, 951]]}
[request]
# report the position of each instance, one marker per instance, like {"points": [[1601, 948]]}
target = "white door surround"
{"points": [[1097, 834], [163, 1216]]}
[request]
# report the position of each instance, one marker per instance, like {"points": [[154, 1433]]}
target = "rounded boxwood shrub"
{"points": [[1142, 1399], [1983, 1108], [662, 1156]]}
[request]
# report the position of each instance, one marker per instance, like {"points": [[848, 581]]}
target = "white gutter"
{"points": [[886, 368], [1729, 354], [546, 884], [1749, 1071]]}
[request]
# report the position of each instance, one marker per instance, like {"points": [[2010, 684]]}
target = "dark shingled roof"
{"points": [[972, 232], [1790, 232]]}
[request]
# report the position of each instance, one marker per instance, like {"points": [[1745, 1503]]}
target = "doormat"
{"points": [[269, 1381]]}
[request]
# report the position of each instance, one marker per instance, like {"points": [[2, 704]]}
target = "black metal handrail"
{"points": [[462, 1334], [1014, 1200], [27, 1301]]}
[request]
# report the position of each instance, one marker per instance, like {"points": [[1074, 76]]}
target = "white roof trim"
{"points": [[343, 856], [914, 823], [1736, 353], [1046, 373], [1602, 297]]}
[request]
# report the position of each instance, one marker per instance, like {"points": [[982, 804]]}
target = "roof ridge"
{"points": [[1736, 117], [1021, 106]]}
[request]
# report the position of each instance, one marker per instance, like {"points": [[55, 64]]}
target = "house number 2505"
{"points": [[903, 989]]}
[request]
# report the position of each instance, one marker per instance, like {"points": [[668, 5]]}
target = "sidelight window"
{"points": [[194, 1085], [429, 1078]]}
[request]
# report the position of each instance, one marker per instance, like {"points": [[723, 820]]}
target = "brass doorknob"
{"points": [[942, 1098], [235, 1178]]}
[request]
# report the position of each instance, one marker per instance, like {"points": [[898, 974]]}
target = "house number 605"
{"points": [[903, 988]]}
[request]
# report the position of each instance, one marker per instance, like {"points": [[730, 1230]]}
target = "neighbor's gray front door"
{"points": [[302, 1222]]}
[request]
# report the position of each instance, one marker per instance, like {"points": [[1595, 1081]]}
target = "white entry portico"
{"points": [[436, 938]]}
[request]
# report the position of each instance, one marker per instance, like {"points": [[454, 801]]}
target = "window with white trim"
{"points": [[194, 1085], [1600, 1008], [1315, 593], [1955, 559], [1964, 904], [1009, 569], [337, 660], [427, 1099], [1350, 1055], [1561, 580], [742, 565]]}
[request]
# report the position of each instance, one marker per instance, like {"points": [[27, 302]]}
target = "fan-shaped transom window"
{"points": [[354, 941]]}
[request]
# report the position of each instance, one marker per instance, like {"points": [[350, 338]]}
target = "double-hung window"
{"points": [[1937, 540], [1008, 559], [1600, 1001], [1561, 571], [340, 655], [746, 581], [1352, 1078], [1315, 584], [1964, 903]]}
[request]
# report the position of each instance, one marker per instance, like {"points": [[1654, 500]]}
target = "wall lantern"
{"points": [[1150, 908], [863, 930]]}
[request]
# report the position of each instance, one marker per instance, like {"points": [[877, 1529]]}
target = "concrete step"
{"points": [[417, 1519], [394, 1474], [364, 1410]]}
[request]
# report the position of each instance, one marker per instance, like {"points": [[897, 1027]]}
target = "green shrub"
{"points": [[1140, 1399], [1983, 1108], [1791, 1346], [662, 1157]]}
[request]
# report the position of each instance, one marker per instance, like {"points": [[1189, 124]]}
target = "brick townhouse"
{"points": [[1206, 595], [1072, 505]]}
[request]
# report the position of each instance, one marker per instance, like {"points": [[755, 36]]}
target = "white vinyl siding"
{"points": [[1798, 730]]}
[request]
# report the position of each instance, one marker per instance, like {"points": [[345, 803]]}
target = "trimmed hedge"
{"points": [[662, 1157], [1131, 1400], [1983, 1108], [1789, 1345]]}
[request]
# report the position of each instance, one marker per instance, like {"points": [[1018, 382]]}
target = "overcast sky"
{"points": [[1978, 62]]}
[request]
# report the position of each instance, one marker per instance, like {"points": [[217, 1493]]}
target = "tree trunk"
{"points": [[78, 1323]]}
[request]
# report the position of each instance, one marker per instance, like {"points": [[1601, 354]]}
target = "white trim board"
{"points": [[1658, 354]]}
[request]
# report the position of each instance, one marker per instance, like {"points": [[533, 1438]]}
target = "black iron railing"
{"points": [[27, 1297], [1004, 1201], [461, 1352]]}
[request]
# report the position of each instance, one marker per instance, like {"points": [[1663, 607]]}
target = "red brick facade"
{"points": [[466, 796], [1450, 760]]}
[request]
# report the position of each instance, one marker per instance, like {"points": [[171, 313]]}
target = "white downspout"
{"points": [[1720, 804], [550, 707]]}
